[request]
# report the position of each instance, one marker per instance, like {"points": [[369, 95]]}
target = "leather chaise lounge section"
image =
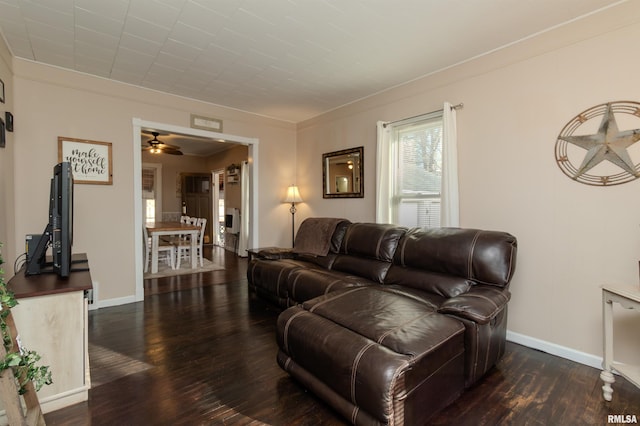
{"points": [[386, 324]]}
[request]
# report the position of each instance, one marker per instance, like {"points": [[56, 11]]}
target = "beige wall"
{"points": [[7, 188], [572, 237], [51, 102]]}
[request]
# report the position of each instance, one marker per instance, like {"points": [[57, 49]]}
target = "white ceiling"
{"points": [[286, 59]]}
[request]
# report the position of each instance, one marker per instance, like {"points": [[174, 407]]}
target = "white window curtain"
{"points": [[244, 210], [384, 174], [449, 204], [386, 169]]}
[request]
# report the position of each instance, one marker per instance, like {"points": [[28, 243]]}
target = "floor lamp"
{"points": [[293, 197]]}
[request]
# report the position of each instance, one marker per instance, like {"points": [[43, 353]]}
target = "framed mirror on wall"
{"points": [[343, 173]]}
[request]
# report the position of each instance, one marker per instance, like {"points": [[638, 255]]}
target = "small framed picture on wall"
{"points": [[1, 91], [2, 134]]}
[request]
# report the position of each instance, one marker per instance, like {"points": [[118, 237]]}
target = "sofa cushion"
{"points": [[486, 257], [373, 240], [432, 282], [325, 262], [479, 305], [319, 236], [391, 356], [305, 284], [274, 253], [269, 278], [367, 250], [371, 269]]}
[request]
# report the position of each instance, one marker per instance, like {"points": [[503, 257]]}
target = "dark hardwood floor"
{"points": [[201, 351]]}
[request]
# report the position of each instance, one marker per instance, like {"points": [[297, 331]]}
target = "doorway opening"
{"points": [[252, 181], [151, 192]]}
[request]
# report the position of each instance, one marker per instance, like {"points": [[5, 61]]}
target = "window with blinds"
{"points": [[148, 194], [417, 145]]}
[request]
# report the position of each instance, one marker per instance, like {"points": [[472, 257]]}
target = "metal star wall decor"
{"points": [[604, 157]]}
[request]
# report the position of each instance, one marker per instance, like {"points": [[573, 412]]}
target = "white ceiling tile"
{"points": [[173, 62], [220, 54], [126, 77], [99, 23], [184, 51], [51, 56], [207, 20], [153, 11], [113, 9], [51, 46], [11, 13], [92, 66], [239, 73], [57, 5], [15, 29], [131, 61], [192, 81], [61, 35], [177, 4], [272, 12], [144, 29], [46, 13], [292, 59], [142, 45], [160, 74], [219, 86], [97, 39], [85, 52], [192, 36], [225, 8], [21, 47]]}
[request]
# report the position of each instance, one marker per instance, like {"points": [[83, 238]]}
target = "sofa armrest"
{"points": [[480, 304], [273, 253]]}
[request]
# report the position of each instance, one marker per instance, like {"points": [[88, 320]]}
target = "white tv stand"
{"points": [[52, 319]]}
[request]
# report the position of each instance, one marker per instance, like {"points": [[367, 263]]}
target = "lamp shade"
{"points": [[293, 195]]}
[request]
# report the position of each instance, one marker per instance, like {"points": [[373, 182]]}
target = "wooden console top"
{"points": [[50, 283]]}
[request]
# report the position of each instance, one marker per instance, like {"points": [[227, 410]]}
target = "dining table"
{"points": [[178, 229]]}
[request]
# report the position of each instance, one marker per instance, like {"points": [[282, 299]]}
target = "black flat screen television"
{"points": [[58, 233]]}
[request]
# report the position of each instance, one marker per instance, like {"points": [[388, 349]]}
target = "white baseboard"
{"points": [[115, 302], [55, 402], [557, 350], [65, 399]]}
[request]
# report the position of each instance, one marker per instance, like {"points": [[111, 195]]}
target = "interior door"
{"points": [[197, 199]]}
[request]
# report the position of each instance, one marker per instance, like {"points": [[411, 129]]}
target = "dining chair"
{"points": [[168, 250], [183, 247]]}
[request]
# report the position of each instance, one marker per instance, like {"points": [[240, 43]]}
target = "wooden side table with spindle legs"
{"points": [[628, 297]]}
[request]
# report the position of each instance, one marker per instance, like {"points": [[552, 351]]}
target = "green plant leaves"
{"points": [[23, 362]]}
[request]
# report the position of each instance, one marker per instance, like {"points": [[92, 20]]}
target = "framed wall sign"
{"points": [[91, 161]]}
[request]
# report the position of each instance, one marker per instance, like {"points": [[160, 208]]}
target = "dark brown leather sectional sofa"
{"points": [[387, 324]]}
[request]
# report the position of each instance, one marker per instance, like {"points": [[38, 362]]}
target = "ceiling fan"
{"points": [[156, 146]]}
